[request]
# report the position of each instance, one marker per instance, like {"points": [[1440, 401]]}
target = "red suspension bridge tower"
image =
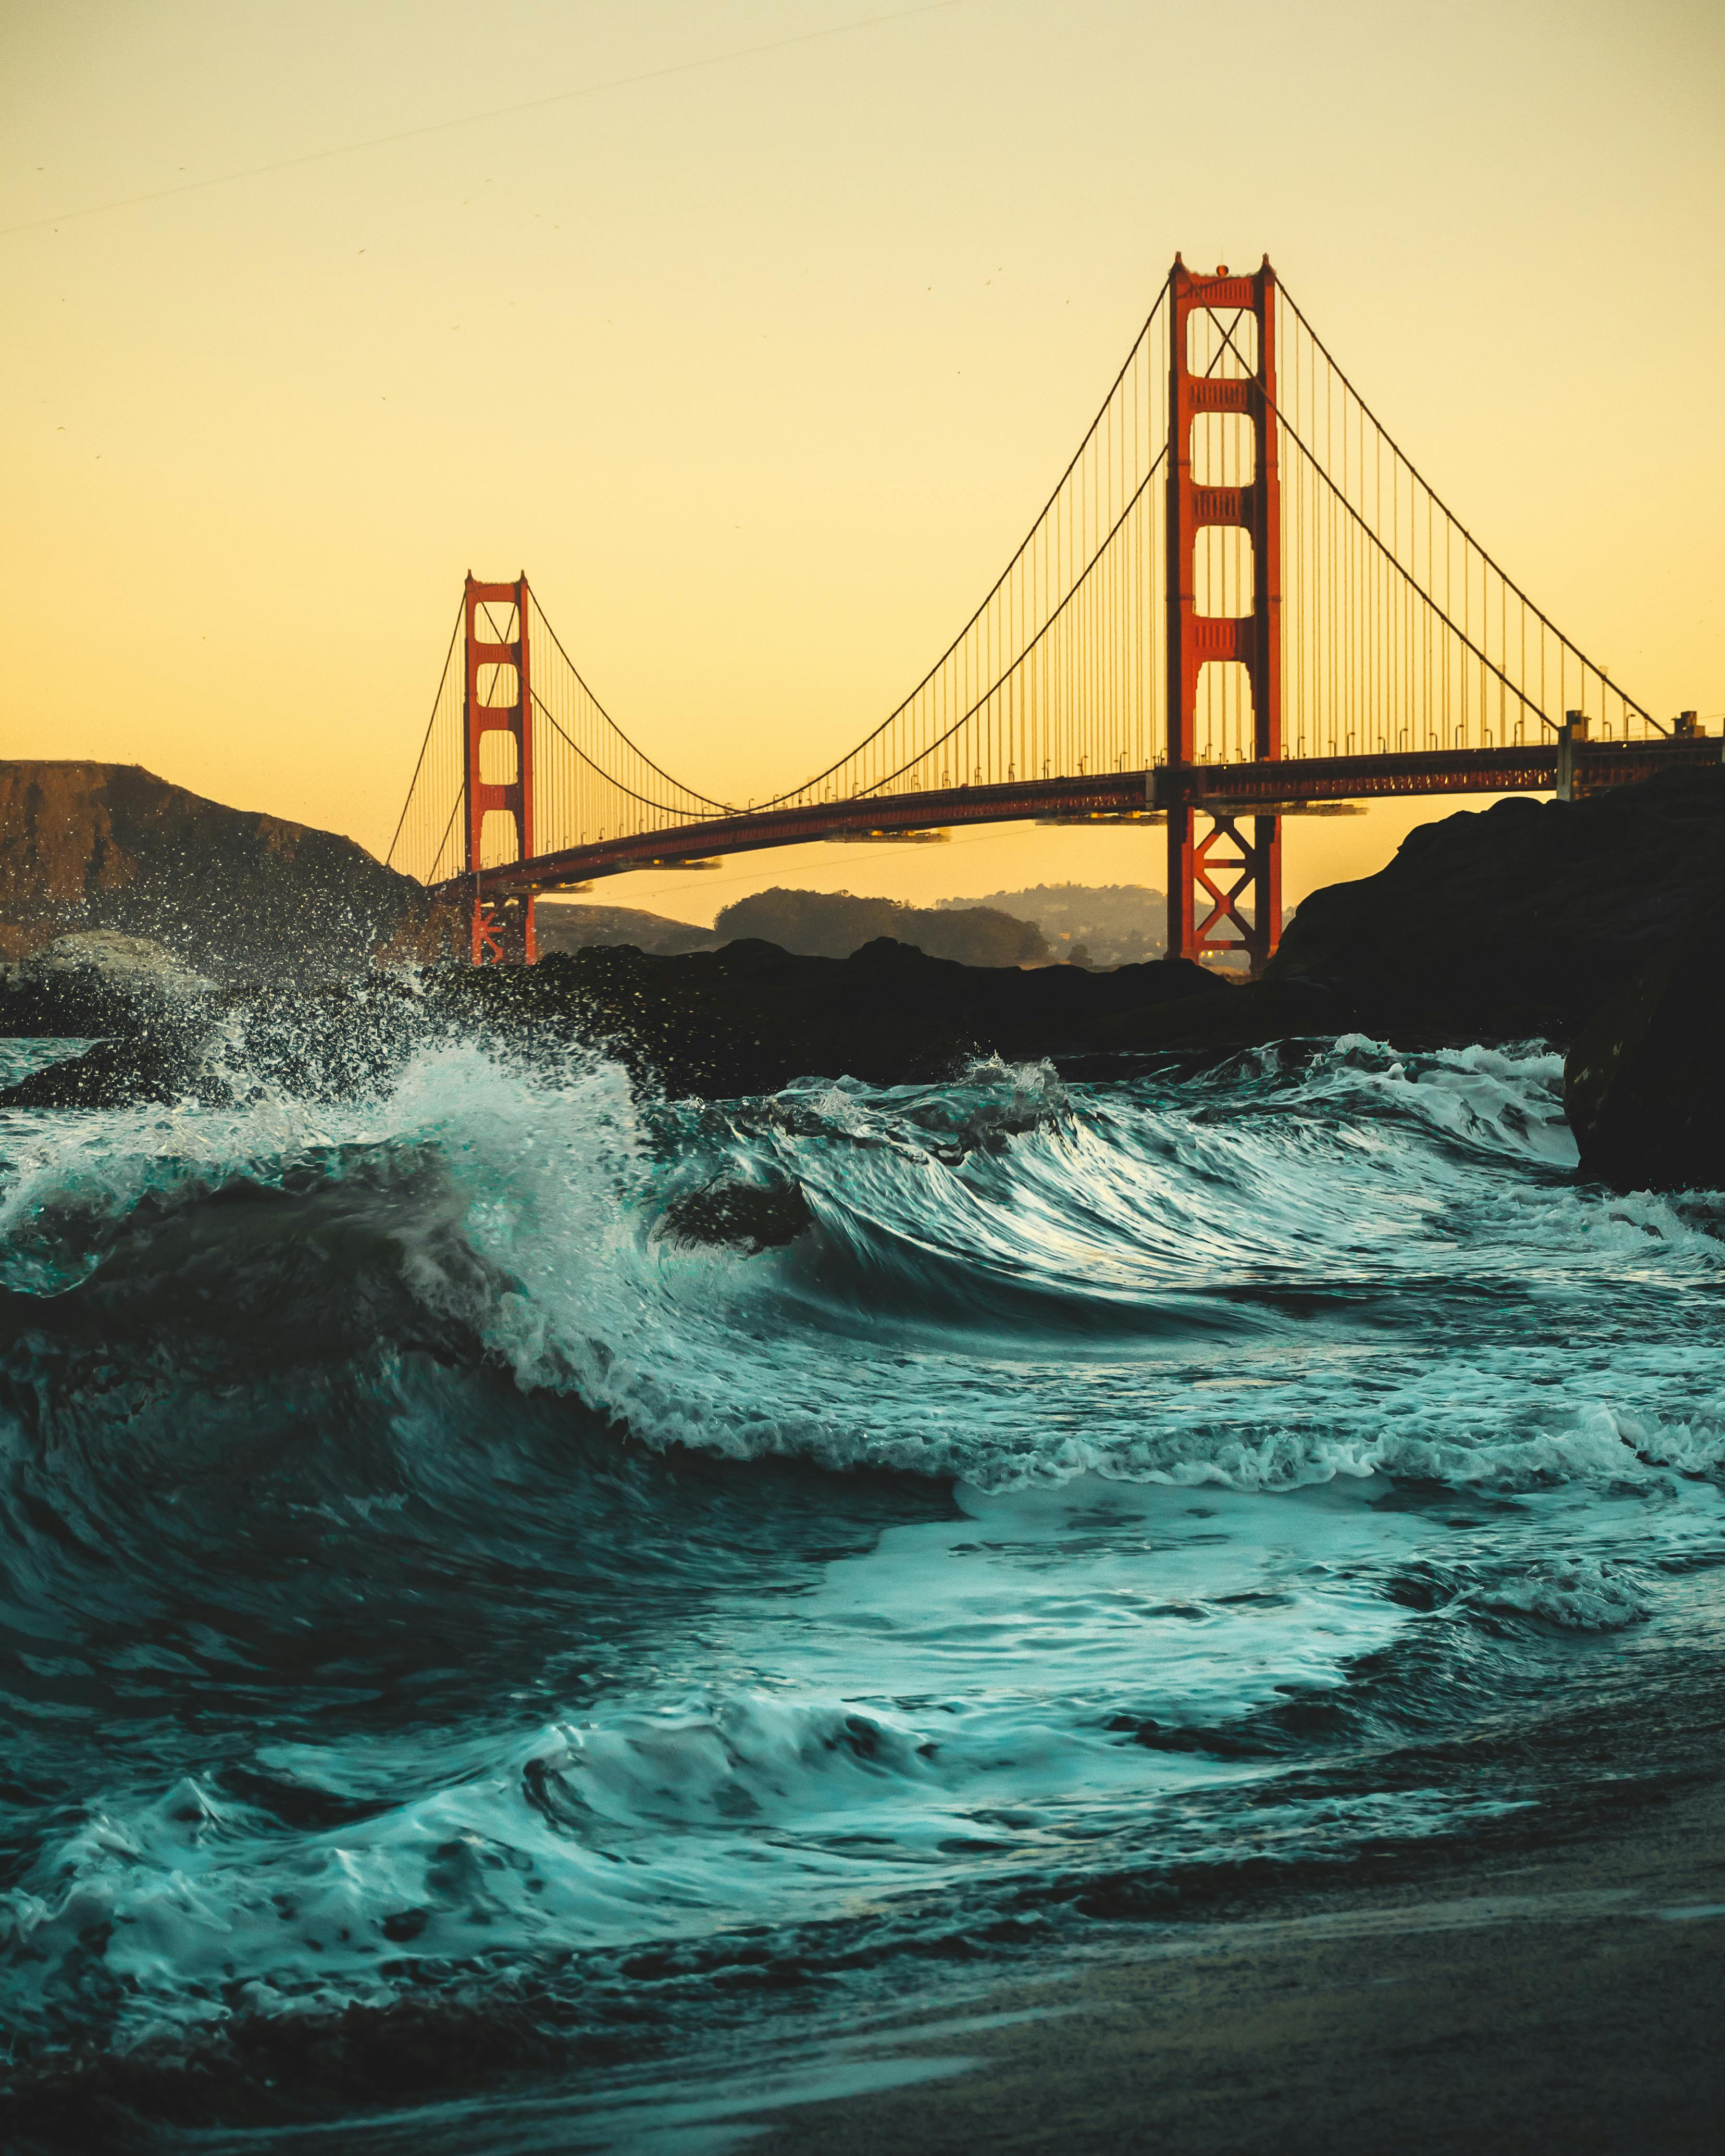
{"points": [[498, 779], [1237, 383]]}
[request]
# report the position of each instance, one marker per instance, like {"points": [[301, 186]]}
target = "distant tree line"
{"points": [[1102, 925], [832, 924]]}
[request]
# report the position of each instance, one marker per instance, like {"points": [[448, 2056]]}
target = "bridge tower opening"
{"points": [[497, 760], [1222, 370]]}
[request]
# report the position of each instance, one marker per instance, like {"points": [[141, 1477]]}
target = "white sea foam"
{"points": [[957, 1700], [1018, 1282], [1578, 1594]]}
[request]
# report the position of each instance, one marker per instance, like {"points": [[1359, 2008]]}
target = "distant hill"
{"points": [[1111, 924], [818, 924], [564, 927], [229, 891]]}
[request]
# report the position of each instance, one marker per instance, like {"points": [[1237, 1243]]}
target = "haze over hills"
{"points": [[810, 923], [1099, 924], [1112, 924], [1103, 925], [832, 924], [562, 926]]}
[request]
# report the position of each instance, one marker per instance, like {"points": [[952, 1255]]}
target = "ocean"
{"points": [[480, 1660]]}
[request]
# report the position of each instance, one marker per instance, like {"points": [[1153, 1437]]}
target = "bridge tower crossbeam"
{"points": [[1246, 914]]}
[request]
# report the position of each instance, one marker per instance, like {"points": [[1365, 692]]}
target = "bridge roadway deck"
{"points": [[1237, 789]]}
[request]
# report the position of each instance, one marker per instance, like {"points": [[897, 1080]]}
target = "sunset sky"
{"points": [[756, 330]]}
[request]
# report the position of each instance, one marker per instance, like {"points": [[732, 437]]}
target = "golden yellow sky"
{"points": [[760, 368]]}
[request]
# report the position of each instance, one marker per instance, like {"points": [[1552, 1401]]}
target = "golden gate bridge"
{"points": [[1241, 601]]}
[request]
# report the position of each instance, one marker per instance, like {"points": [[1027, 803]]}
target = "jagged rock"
{"points": [[108, 953], [120, 1073], [1644, 1086], [757, 1216]]}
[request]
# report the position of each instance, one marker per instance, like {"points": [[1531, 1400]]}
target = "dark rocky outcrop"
{"points": [[1644, 1086], [743, 1020], [1506, 923], [97, 981], [1523, 916], [167, 1066], [230, 891], [751, 1017], [105, 954], [754, 1216]]}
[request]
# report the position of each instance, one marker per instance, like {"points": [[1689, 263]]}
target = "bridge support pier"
{"points": [[503, 930], [1238, 379], [1242, 887]]}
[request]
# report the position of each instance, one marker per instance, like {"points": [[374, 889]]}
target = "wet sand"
{"points": [[1569, 2000]]}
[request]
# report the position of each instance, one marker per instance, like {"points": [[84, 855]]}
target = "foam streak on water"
{"points": [[426, 1572]]}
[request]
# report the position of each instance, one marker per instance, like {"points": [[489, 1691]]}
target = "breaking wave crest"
{"points": [[1237, 1278]]}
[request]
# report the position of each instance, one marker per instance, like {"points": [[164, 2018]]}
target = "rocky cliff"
{"points": [[229, 891], [1644, 1086], [1522, 917]]}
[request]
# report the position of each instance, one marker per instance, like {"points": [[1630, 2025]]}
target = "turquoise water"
{"points": [[439, 1597]]}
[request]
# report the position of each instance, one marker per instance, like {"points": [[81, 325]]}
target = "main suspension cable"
{"points": [[959, 723], [1532, 607], [1402, 571], [898, 712], [436, 702]]}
